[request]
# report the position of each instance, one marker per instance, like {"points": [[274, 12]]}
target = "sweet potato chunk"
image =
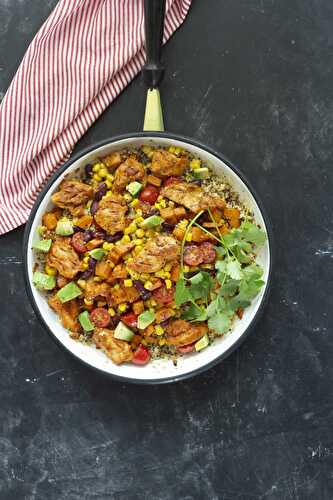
{"points": [[112, 161], [63, 257], [118, 350], [73, 196]]}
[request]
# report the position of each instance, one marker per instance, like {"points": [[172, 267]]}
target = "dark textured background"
{"points": [[254, 79]]}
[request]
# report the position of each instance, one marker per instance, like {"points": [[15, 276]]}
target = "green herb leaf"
{"points": [[194, 313], [201, 285], [182, 293], [234, 269], [221, 322], [252, 233]]}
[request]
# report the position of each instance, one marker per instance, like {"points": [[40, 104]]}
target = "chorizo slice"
{"points": [[208, 252], [192, 255]]}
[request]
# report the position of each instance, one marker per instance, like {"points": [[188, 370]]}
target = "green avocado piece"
{"points": [[122, 332], [145, 319], [152, 221], [201, 173], [69, 292], [42, 245], [43, 281], [85, 321], [97, 253], [64, 227], [202, 343], [134, 188]]}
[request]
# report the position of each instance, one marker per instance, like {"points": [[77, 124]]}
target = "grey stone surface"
{"points": [[254, 79]]}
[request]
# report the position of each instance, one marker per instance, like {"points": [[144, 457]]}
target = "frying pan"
{"points": [[158, 371]]}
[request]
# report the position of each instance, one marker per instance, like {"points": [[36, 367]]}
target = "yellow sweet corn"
{"points": [[51, 271], [97, 279], [171, 149], [139, 219], [122, 307], [189, 237], [140, 233], [109, 177], [127, 197], [195, 163], [128, 283], [186, 269], [111, 311], [82, 283], [167, 267], [168, 283], [135, 202], [97, 177], [138, 241], [138, 249], [139, 213], [42, 229], [96, 168], [125, 239], [107, 246], [103, 172], [108, 185], [162, 342], [131, 228], [148, 284], [88, 302], [158, 330]]}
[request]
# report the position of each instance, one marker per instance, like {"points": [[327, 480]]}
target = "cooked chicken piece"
{"points": [[94, 289], [68, 312], [129, 171], [73, 195], [180, 332], [112, 161], [63, 257], [165, 164], [118, 350], [192, 196], [111, 213], [155, 254]]}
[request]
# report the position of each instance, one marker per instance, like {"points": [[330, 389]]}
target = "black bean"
{"points": [[102, 189], [144, 293], [115, 320], [86, 274], [91, 263], [87, 235], [111, 238], [167, 227], [98, 234], [94, 207], [78, 229], [165, 323], [88, 170]]}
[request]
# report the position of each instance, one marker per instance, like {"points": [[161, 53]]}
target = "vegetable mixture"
{"points": [[148, 255]]}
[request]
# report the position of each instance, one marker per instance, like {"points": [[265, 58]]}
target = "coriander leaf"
{"points": [[221, 265], [213, 307], [234, 269], [201, 285], [241, 255], [182, 293], [221, 322], [229, 288], [221, 251], [193, 313], [253, 271], [247, 291], [252, 233]]}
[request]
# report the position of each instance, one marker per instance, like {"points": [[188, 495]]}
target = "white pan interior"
{"points": [[159, 369]]}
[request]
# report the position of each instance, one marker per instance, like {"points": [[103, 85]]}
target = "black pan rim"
{"points": [[206, 148]]}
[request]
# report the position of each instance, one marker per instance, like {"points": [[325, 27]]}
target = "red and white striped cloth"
{"points": [[83, 56]]}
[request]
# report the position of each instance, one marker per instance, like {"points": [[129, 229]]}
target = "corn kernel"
{"points": [[158, 330], [107, 246], [162, 342], [186, 269], [109, 177], [139, 213], [116, 287], [140, 233], [97, 177], [96, 168], [194, 164], [85, 266], [108, 184], [135, 202], [138, 241], [127, 197], [138, 249], [111, 311], [159, 274], [153, 302], [51, 271], [82, 283], [88, 302], [126, 239], [178, 150], [148, 284], [167, 267], [122, 307], [168, 283], [128, 283], [97, 279], [157, 205], [171, 149], [89, 203], [42, 229], [160, 197], [147, 151], [103, 172], [139, 219], [86, 259], [189, 237]]}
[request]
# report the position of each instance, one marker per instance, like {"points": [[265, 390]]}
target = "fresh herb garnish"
{"points": [[237, 282]]}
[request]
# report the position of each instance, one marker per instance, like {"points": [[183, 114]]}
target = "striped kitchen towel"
{"points": [[83, 56]]}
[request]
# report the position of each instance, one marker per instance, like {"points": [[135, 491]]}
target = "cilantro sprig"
{"points": [[238, 277]]}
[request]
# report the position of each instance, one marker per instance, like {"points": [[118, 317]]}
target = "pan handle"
{"points": [[153, 70]]}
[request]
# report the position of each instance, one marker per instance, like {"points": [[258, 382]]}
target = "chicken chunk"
{"points": [[180, 332], [165, 164], [129, 171], [111, 214], [155, 254], [125, 294], [94, 290], [118, 350], [192, 196], [63, 257], [73, 196], [68, 312]]}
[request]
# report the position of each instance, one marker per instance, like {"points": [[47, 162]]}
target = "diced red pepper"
{"points": [[130, 319]]}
